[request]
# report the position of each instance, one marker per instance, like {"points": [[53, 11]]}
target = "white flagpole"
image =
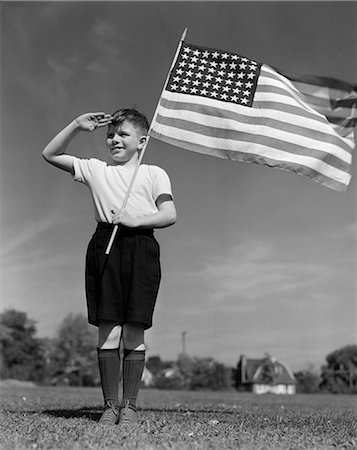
{"points": [[115, 229]]}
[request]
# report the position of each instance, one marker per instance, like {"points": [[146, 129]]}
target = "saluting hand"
{"points": [[92, 121]]}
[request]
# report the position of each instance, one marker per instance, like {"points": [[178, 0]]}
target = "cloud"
{"points": [[103, 39], [102, 31], [29, 232], [63, 70], [253, 270], [346, 231]]}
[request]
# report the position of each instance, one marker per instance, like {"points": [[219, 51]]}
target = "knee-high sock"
{"points": [[109, 368], [133, 367]]}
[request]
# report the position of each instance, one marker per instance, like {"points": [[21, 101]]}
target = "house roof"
{"points": [[267, 370]]}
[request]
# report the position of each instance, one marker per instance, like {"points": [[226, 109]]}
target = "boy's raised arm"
{"points": [[55, 150]]}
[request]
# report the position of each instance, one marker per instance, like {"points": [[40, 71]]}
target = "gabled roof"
{"points": [[267, 370]]}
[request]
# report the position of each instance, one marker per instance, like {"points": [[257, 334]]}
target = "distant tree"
{"points": [[170, 380], [339, 375], [155, 364], [194, 373], [21, 351], [308, 381], [73, 353], [208, 374], [185, 365]]}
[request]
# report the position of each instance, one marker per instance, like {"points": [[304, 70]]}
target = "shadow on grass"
{"points": [[80, 413], [94, 413]]}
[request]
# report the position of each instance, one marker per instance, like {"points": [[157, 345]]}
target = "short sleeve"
{"points": [[83, 169], [161, 183]]}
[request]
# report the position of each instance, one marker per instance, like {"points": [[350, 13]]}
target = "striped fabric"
{"points": [[222, 104]]}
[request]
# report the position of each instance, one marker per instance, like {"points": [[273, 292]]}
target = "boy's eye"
{"points": [[110, 136]]}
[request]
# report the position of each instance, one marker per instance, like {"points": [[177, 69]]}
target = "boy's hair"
{"points": [[133, 116]]}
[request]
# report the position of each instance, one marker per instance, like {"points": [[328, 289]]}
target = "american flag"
{"points": [[222, 104]]}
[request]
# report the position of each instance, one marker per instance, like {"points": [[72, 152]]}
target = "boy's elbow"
{"points": [[169, 219], [172, 218], [45, 155]]}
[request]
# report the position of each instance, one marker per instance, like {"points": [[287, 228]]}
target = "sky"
{"points": [[259, 261]]}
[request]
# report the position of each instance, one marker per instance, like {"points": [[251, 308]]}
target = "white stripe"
{"points": [[295, 100], [226, 123], [244, 147], [320, 124], [235, 108], [313, 102], [322, 92], [284, 82], [319, 91], [292, 88], [292, 119], [282, 116], [301, 99], [280, 82]]}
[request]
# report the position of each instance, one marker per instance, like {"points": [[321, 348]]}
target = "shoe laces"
{"points": [[110, 414], [128, 414]]}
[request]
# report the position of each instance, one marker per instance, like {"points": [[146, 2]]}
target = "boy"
{"points": [[121, 290]]}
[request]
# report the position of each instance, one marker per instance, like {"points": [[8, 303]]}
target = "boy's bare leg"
{"points": [[133, 366], [109, 367], [133, 336], [109, 334]]}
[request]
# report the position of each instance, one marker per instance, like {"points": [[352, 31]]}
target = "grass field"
{"points": [[66, 418]]}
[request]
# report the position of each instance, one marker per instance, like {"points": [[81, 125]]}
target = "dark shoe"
{"points": [[128, 417], [110, 415]]}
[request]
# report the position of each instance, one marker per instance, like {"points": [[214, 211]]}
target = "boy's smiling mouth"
{"points": [[116, 148]]}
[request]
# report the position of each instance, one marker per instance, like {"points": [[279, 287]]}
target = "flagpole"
{"points": [[183, 37], [115, 229]]}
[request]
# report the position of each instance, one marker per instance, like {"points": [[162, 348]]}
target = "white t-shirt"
{"points": [[109, 184]]}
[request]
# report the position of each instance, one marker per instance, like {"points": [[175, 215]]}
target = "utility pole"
{"points": [[183, 334]]}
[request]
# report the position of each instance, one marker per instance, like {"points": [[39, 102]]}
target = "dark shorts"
{"points": [[124, 286]]}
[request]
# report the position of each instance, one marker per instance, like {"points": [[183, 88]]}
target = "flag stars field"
{"points": [[205, 73]]}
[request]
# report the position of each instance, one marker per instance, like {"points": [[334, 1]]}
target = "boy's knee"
{"points": [[133, 336], [109, 335]]}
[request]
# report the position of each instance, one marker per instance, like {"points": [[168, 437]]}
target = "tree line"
{"points": [[70, 358]]}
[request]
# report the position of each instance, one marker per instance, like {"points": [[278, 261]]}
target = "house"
{"points": [[265, 375], [147, 378]]}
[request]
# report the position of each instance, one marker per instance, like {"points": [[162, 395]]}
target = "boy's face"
{"points": [[124, 141]]}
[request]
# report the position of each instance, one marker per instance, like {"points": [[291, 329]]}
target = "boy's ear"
{"points": [[142, 141]]}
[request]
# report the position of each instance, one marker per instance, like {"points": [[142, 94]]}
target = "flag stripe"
{"points": [[338, 183], [320, 91], [321, 118], [287, 89], [286, 100], [206, 114], [274, 139], [331, 83], [269, 83], [323, 104], [263, 103]]}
